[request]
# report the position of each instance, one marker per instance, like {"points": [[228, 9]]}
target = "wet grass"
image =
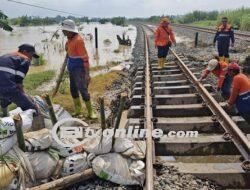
{"points": [[108, 65], [97, 88], [33, 80]]}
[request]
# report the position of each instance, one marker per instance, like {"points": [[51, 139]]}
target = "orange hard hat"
{"points": [[165, 19]]}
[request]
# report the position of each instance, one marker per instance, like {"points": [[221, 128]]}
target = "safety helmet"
{"points": [[165, 19], [212, 64], [234, 66], [69, 25]]}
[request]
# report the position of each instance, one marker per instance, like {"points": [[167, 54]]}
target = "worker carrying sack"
{"points": [[118, 169]]}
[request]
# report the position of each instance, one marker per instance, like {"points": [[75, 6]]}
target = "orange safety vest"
{"points": [[164, 35], [219, 73]]}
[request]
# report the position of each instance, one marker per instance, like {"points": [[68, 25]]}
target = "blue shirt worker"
{"points": [[78, 67], [13, 69], [223, 36]]}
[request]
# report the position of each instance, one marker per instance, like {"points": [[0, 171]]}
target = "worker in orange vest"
{"points": [[78, 67], [220, 70], [164, 37], [223, 35], [240, 93]]}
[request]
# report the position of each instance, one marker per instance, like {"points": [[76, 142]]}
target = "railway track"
{"points": [[171, 99], [238, 35]]}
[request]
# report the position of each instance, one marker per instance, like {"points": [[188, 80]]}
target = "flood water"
{"points": [[54, 52]]}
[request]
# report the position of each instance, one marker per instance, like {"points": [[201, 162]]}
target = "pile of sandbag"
{"points": [[46, 159]]}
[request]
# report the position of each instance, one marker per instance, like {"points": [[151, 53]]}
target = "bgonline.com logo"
{"points": [[78, 129]]}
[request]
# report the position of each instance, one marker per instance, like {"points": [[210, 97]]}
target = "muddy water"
{"points": [[53, 50]]}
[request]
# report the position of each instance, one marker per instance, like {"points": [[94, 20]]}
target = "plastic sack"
{"points": [[62, 150], [42, 163], [75, 163], [60, 113], [7, 143], [130, 148], [118, 169], [38, 140], [7, 125], [7, 174], [97, 144]]}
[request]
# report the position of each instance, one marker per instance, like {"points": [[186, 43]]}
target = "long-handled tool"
{"points": [[60, 77]]}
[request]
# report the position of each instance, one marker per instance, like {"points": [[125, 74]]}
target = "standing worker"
{"points": [[164, 37], [223, 35], [78, 67], [13, 69], [220, 70], [240, 94]]}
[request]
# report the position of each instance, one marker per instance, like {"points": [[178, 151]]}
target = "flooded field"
{"points": [[53, 48]]}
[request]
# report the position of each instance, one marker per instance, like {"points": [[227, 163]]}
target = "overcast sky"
{"points": [[110, 8]]}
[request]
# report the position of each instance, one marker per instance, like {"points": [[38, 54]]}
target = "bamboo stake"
{"points": [[51, 110], [64, 182], [119, 115], [102, 113], [19, 132]]}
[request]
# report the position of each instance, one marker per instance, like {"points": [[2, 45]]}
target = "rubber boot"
{"points": [[91, 112], [226, 60], [159, 63], [78, 107], [162, 62], [4, 112], [222, 58]]}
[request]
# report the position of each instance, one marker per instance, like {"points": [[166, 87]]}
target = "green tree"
{"points": [[120, 21], [4, 22]]}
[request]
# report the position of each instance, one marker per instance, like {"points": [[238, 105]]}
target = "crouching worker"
{"points": [[240, 93], [78, 67], [13, 69], [220, 70], [164, 37]]}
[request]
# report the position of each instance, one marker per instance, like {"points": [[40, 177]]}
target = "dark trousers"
{"points": [[226, 87], [18, 97], [78, 84], [223, 49], [163, 51], [246, 117]]}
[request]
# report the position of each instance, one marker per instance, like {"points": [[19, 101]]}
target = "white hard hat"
{"points": [[69, 25], [212, 64]]}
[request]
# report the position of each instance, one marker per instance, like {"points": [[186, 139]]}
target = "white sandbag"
{"points": [[7, 125], [75, 163], [97, 144], [130, 148], [38, 140], [7, 143], [42, 163], [60, 113], [26, 175], [65, 151], [118, 169]]}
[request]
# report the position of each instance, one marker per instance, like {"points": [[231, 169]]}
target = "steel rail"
{"points": [[238, 138], [240, 36], [148, 113]]}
